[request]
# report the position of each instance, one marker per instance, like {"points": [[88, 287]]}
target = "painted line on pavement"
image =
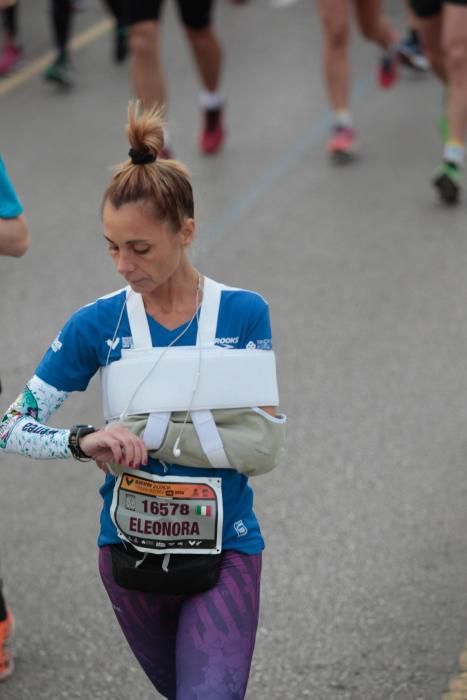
{"points": [[240, 204]]}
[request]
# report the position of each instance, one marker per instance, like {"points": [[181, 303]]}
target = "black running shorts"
{"points": [[194, 14], [428, 8]]}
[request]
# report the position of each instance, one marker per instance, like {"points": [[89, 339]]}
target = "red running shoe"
{"points": [[212, 134], [11, 56], [388, 69], [343, 144], [6, 657]]}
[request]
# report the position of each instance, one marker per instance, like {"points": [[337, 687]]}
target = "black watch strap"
{"points": [[76, 433]]}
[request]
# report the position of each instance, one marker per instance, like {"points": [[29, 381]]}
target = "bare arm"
{"points": [[14, 236]]}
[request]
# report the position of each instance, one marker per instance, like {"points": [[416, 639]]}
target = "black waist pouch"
{"points": [[183, 573]]}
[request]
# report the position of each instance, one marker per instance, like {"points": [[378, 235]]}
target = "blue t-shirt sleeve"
{"points": [[10, 206], [72, 359]]}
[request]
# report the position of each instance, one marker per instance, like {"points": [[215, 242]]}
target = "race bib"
{"points": [[168, 514]]}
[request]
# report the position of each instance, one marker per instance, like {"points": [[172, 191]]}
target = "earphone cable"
{"points": [[156, 362]]}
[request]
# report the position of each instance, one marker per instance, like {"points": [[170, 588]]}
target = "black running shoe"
{"points": [[448, 181], [59, 72], [411, 55]]}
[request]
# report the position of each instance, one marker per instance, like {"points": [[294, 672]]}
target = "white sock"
{"points": [[210, 100], [343, 117], [454, 152]]}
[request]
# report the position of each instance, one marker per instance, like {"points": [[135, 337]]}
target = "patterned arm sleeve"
{"points": [[23, 429]]}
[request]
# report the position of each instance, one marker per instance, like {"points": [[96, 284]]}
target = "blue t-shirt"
{"points": [[10, 206], [83, 346]]}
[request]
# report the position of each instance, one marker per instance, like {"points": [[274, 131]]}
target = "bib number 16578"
{"points": [[165, 509]]}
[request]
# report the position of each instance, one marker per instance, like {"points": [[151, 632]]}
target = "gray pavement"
{"points": [[365, 572]]}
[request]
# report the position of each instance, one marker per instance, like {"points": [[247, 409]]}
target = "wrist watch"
{"points": [[76, 433]]}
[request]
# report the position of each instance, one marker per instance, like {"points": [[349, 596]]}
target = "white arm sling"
{"points": [[158, 381]]}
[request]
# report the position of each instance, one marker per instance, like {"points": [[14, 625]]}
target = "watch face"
{"points": [[78, 431], [84, 430]]}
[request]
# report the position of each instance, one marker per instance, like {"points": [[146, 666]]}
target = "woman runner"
{"points": [[342, 145], [191, 643]]}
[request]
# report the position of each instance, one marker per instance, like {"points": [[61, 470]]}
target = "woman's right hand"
{"points": [[115, 444]]}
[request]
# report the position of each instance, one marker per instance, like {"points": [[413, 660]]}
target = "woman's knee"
{"points": [[336, 35], [143, 40], [455, 56]]}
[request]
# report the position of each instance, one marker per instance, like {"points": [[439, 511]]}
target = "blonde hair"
{"points": [[161, 185]]}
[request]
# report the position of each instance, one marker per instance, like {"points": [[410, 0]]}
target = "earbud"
{"points": [[176, 450]]}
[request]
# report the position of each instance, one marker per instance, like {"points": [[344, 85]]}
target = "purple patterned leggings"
{"points": [[193, 647]]}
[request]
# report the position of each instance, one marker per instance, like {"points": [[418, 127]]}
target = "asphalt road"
{"points": [[365, 574]]}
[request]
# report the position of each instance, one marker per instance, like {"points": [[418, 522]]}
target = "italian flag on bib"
{"points": [[204, 510]]}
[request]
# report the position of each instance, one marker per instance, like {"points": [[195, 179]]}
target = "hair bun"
{"points": [[145, 132], [164, 189]]}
